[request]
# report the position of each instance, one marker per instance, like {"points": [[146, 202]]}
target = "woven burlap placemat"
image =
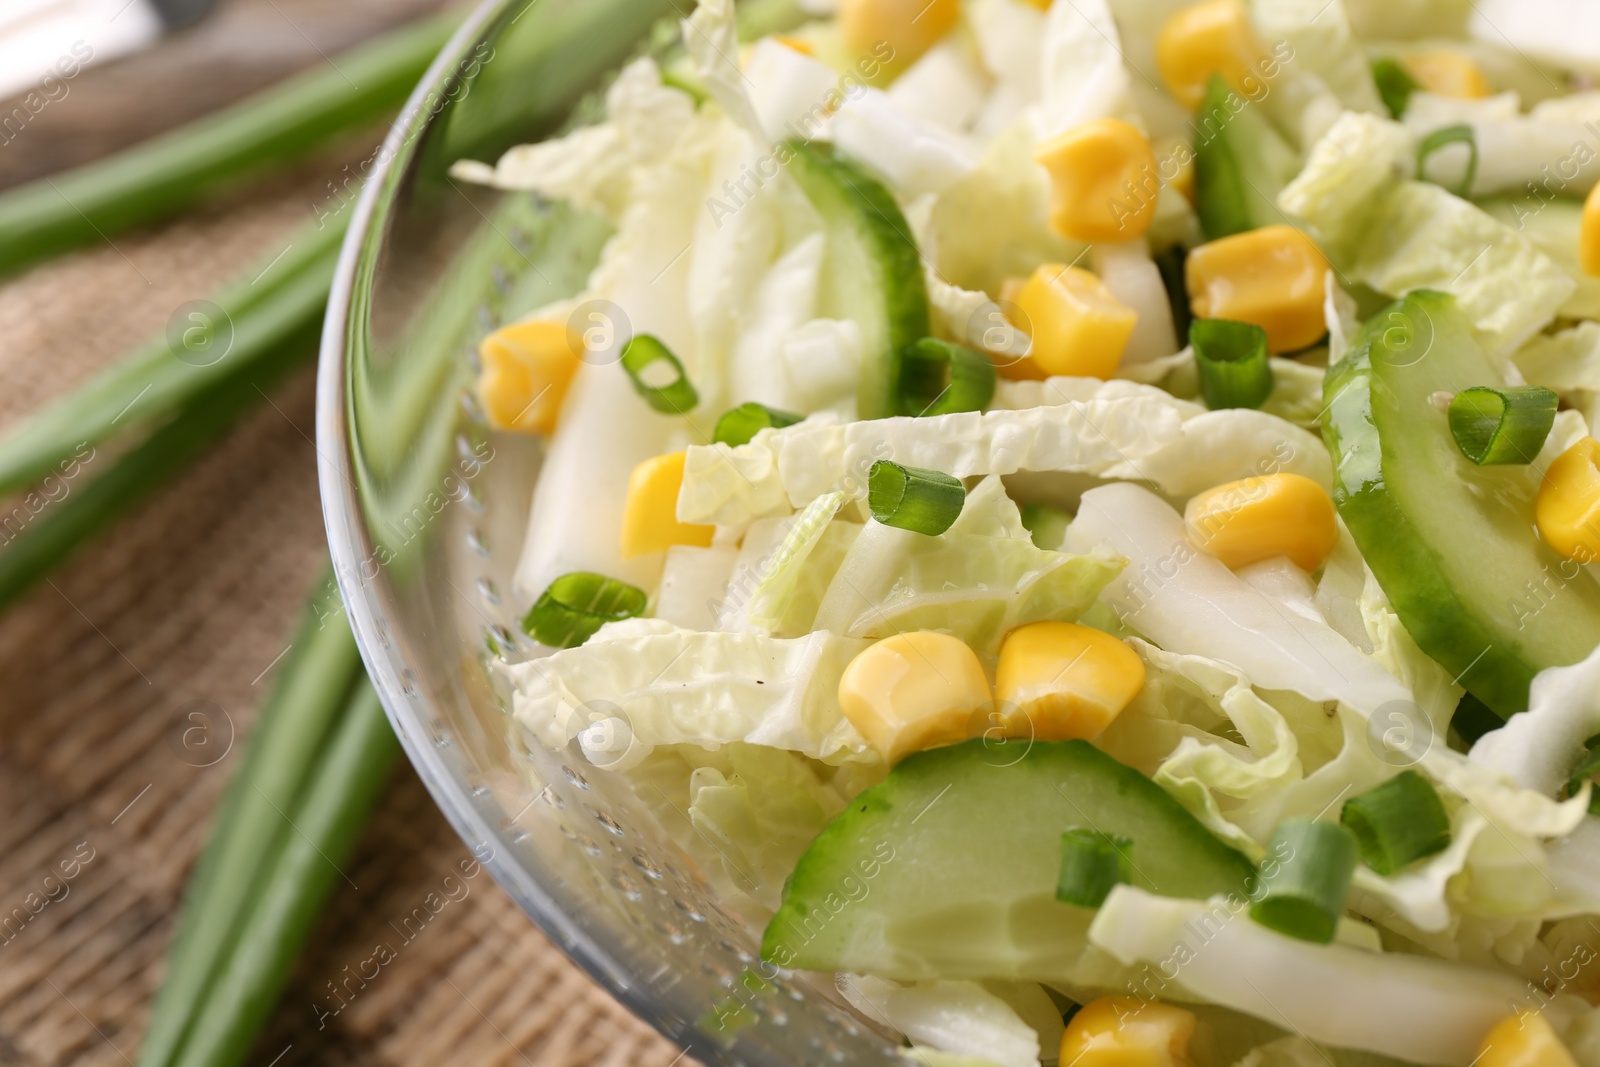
{"points": [[187, 602]]}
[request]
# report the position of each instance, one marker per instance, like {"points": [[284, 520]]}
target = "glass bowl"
{"points": [[426, 509]]}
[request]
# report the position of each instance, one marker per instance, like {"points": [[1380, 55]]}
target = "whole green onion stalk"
{"points": [[265, 132]]}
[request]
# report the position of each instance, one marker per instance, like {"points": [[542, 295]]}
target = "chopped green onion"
{"points": [[938, 377], [1493, 426], [1232, 361], [1395, 85], [1450, 135], [1302, 894], [1092, 864], [1241, 163], [643, 357], [912, 498], [1398, 822], [738, 425], [576, 605], [1046, 525], [1473, 718], [1586, 767], [1171, 264]]}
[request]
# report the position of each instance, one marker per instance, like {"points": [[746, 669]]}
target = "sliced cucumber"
{"points": [[1452, 544], [1241, 164], [948, 868], [871, 272]]}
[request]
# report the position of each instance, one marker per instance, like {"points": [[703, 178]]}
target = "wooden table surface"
{"points": [[187, 603]]}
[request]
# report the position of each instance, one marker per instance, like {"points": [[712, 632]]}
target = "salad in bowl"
{"points": [[1079, 516]]}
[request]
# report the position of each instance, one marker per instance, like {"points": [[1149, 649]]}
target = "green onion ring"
{"points": [[1397, 823], [677, 397], [1500, 426], [738, 425], [1232, 361], [911, 498], [1305, 880], [938, 377], [1448, 135]]}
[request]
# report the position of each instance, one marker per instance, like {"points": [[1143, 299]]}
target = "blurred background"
{"points": [[132, 671]]}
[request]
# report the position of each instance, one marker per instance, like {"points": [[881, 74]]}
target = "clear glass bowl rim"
{"points": [[349, 544]]}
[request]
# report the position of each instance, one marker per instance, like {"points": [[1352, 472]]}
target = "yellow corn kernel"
{"points": [[1211, 37], [1274, 277], [1128, 1032], [1057, 681], [1078, 328], [1020, 369], [1448, 74], [1248, 521], [1523, 1040], [526, 368], [650, 518], [914, 691], [1017, 368], [1567, 510], [897, 32], [1589, 236], [1042, 5], [1103, 182]]}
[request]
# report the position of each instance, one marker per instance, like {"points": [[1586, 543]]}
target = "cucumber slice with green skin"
{"points": [[1241, 164], [948, 868], [871, 271], [1452, 544]]}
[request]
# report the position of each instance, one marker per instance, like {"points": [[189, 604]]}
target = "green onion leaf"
{"points": [[1092, 864], [938, 377], [131, 477], [244, 846], [1449, 135], [265, 132], [738, 425], [1046, 525], [1397, 823], [576, 605], [911, 498], [1587, 767], [315, 835], [1232, 360], [1305, 879], [645, 359], [270, 307], [1395, 85], [1502, 425]]}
